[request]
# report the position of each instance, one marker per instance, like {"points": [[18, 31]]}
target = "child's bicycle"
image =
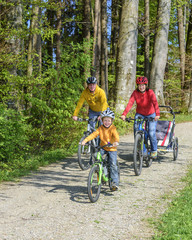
{"points": [[86, 152], [142, 149], [99, 174]]}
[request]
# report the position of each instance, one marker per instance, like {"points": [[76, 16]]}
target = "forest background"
{"points": [[49, 48]]}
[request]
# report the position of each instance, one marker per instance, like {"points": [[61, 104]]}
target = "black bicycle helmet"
{"points": [[108, 113], [92, 80]]}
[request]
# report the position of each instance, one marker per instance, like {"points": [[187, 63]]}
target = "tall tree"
{"points": [[86, 33], [33, 39], [147, 39], [58, 35], [160, 49], [126, 54], [97, 41], [104, 47], [181, 35], [188, 73]]}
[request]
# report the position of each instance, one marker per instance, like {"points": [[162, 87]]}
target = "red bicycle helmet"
{"points": [[141, 80]]}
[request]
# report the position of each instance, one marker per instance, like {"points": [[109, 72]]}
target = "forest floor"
{"points": [[52, 203]]}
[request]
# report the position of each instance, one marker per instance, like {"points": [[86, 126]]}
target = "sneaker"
{"points": [[154, 154], [114, 188]]}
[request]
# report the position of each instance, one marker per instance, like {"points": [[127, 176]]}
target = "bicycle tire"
{"points": [[137, 155], [92, 186], [148, 161], [175, 149], [84, 155]]}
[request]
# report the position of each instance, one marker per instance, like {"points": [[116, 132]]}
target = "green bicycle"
{"points": [[99, 174]]}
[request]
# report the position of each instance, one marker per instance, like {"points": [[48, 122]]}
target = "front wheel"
{"points": [[84, 155], [93, 186], [137, 154], [175, 148]]}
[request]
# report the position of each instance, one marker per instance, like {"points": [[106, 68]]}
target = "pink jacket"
{"points": [[146, 103]]}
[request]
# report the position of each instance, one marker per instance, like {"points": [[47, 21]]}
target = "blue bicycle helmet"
{"points": [[92, 80]]}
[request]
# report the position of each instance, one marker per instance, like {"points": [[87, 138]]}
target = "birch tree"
{"points": [[126, 54], [160, 49]]}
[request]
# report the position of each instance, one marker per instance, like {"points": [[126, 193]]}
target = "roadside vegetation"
{"points": [[176, 222]]}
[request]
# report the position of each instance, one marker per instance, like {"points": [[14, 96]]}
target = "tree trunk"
{"points": [[160, 49], [50, 19], [36, 40], [126, 54], [188, 73], [115, 15], [33, 40], [181, 35], [58, 36], [86, 34], [147, 40], [104, 50], [97, 41]]}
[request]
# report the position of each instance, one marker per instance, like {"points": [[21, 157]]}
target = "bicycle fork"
{"points": [[100, 175]]}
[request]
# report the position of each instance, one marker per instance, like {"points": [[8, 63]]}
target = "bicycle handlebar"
{"points": [[139, 119], [99, 147], [94, 119]]}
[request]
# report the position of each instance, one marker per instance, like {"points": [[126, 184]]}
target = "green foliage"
{"points": [[52, 101], [13, 137]]}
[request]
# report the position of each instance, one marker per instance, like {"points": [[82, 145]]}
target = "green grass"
{"points": [[12, 171], [176, 222], [183, 118]]}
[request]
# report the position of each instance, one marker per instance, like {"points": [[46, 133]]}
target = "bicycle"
{"points": [[86, 153], [99, 174], [142, 149]]}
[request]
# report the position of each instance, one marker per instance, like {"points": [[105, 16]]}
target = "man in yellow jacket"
{"points": [[95, 97]]}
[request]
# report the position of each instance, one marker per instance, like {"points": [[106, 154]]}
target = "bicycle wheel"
{"points": [[137, 155], [84, 155], [93, 187], [175, 148]]}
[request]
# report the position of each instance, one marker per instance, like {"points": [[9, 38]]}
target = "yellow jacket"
{"points": [[106, 135], [97, 101]]}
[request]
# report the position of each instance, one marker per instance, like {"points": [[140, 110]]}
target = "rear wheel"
{"points": [[84, 155], [93, 187], [175, 148], [137, 155]]}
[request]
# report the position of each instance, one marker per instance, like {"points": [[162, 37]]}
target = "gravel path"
{"points": [[53, 203]]}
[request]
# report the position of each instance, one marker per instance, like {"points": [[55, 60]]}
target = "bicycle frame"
{"points": [[144, 133], [100, 164]]}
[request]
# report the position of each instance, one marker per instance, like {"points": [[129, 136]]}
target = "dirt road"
{"points": [[53, 203]]}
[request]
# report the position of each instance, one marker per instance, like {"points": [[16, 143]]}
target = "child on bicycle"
{"points": [[147, 106], [108, 133]]}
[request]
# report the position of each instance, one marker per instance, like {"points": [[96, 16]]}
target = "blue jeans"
{"points": [[113, 165], [93, 114], [152, 130]]}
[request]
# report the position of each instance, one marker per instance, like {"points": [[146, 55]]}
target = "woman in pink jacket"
{"points": [[147, 106]]}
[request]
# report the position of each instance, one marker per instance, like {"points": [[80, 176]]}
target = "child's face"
{"points": [[107, 121]]}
